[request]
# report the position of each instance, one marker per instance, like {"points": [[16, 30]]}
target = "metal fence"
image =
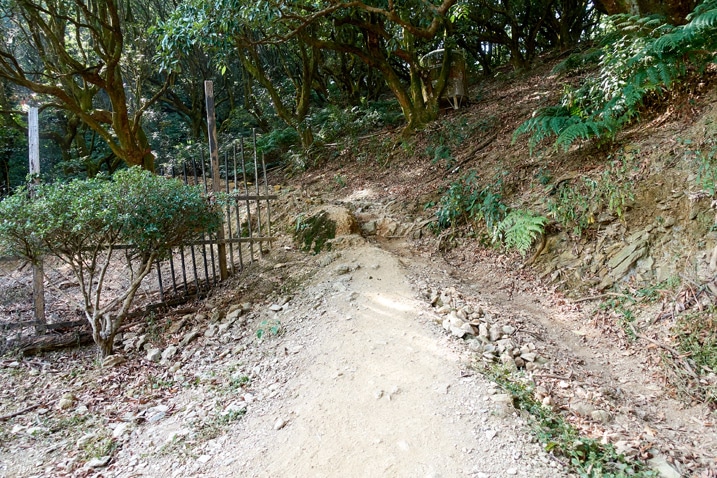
{"points": [[190, 271]]}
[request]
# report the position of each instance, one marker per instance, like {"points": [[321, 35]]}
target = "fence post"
{"points": [[38, 284], [216, 182]]}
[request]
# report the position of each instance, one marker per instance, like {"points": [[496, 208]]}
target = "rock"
{"points": [[169, 352], [204, 459], [511, 471], [235, 311], [495, 332], [112, 361], [176, 326], [505, 345], [601, 416], [66, 401], [468, 328], [582, 408], [505, 398], [458, 332], [211, 331], [85, 439], [369, 228], [455, 320], [277, 307], [224, 327], [141, 342], [188, 337], [120, 430], [519, 362], [660, 464], [157, 413], [99, 462], [279, 424], [234, 409], [483, 330], [507, 360], [446, 324], [32, 431], [508, 329], [154, 355], [444, 309], [343, 269], [490, 434], [529, 356], [475, 345]]}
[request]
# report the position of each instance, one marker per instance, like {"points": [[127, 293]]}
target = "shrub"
{"points": [[464, 201], [81, 222]]}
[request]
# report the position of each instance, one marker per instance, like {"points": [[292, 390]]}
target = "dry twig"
{"points": [[19, 412]]}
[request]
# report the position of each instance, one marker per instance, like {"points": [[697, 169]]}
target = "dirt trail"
{"points": [[373, 389]]}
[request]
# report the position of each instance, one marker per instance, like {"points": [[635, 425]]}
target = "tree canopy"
{"points": [[120, 82]]}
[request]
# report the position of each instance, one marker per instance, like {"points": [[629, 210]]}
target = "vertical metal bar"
{"points": [[184, 271], [181, 248], [229, 213], [248, 205], [194, 258], [256, 188], [211, 247], [204, 246], [268, 205], [235, 203], [171, 254], [159, 279]]}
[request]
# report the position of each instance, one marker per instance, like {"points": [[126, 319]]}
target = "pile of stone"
{"points": [[495, 341]]}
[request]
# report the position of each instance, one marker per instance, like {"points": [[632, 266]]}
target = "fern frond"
{"points": [[705, 20], [519, 229]]}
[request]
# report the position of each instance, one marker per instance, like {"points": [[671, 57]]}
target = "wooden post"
{"points": [[38, 284], [216, 182]]}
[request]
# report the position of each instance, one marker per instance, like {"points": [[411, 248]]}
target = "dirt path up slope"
{"points": [[377, 391]]}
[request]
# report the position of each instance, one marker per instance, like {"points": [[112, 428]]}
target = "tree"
{"points": [[83, 221], [75, 54], [284, 40], [675, 11]]}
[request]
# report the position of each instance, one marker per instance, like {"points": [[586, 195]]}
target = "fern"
{"points": [[642, 56], [519, 230]]}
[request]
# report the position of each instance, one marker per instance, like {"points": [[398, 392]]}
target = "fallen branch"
{"points": [[46, 343], [602, 296], [676, 354], [19, 412]]}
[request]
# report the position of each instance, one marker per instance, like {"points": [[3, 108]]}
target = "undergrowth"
{"points": [[642, 57], [519, 230], [576, 205], [586, 456], [696, 335], [465, 202]]}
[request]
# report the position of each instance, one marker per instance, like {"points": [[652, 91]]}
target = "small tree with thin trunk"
{"points": [[82, 223]]}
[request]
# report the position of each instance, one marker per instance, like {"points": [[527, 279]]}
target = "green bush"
{"points": [[81, 222], [464, 201]]}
